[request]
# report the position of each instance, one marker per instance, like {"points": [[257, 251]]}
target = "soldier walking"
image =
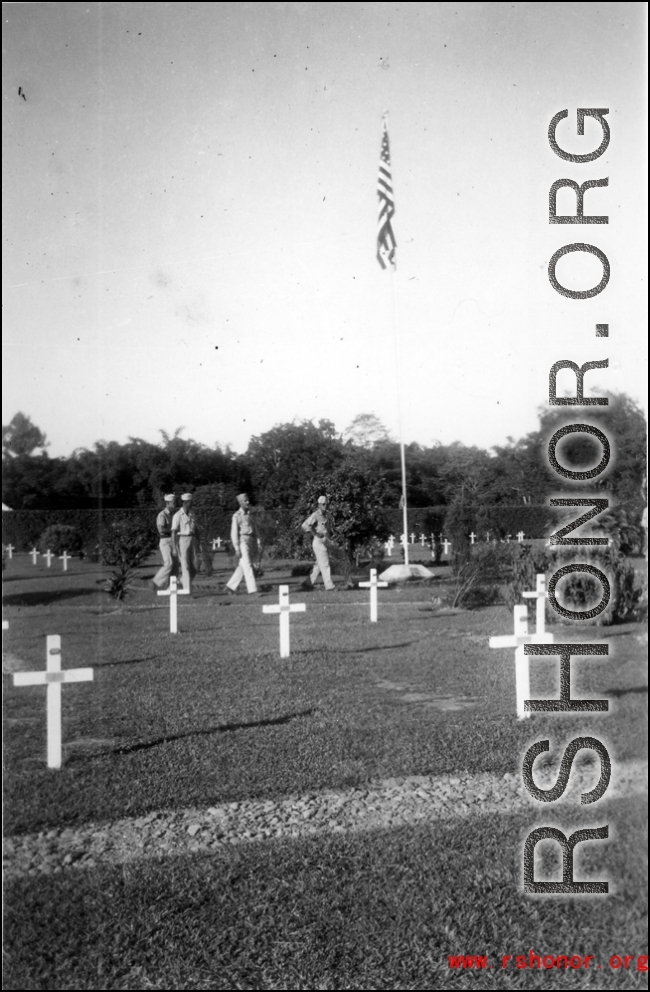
{"points": [[186, 540], [318, 525], [245, 541], [164, 527]]}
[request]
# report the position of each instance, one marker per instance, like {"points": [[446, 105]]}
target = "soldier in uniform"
{"points": [[164, 526], [186, 540], [317, 524], [245, 541]]}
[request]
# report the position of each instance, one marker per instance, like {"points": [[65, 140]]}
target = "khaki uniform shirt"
{"points": [[243, 526], [185, 524], [317, 522], [164, 523]]}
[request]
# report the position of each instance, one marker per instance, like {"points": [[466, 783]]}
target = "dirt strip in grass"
{"points": [[382, 804], [388, 908]]}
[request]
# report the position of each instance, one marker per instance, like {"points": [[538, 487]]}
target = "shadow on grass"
{"points": [[625, 692], [126, 661], [86, 748], [378, 647], [45, 598]]}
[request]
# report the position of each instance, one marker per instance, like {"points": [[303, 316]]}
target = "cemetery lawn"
{"points": [[213, 715]]}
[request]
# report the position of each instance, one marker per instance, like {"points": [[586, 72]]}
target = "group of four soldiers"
{"points": [[180, 539]]}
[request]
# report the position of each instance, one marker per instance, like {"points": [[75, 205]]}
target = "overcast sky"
{"points": [[190, 212]]}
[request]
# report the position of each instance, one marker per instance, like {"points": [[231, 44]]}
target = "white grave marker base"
{"points": [[400, 573]]}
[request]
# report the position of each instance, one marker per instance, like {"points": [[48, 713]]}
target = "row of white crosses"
{"points": [[217, 542], [520, 537], [53, 677], [521, 636], [285, 609], [49, 555]]}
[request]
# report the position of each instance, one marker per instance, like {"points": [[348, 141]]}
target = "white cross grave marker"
{"points": [[65, 557], [412, 538], [373, 585], [446, 545], [520, 536], [52, 677], [217, 542], [34, 554], [541, 596], [284, 609], [422, 540], [173, 592], [10, 549], [49, 555], [508, 536], [517, 641], [472, 537]]}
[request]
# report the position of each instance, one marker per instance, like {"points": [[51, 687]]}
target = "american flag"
{"points": [[386, 243]]}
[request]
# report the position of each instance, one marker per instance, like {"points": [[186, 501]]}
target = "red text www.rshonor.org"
{"points": [[548, 961]]}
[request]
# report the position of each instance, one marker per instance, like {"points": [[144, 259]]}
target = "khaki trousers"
{"points": [[161, 578], [322, 565], [187, 553], [244, 569]]}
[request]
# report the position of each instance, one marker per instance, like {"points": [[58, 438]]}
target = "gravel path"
{"points": [[385, 803]]}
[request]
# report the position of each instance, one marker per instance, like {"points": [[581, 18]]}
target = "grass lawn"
{"points": [[214, 715]]}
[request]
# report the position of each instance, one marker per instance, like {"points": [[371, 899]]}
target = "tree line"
{"points": [[283, 464]]}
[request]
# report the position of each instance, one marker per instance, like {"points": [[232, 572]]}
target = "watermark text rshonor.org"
{"points": [[564, 536], [546, 962]]}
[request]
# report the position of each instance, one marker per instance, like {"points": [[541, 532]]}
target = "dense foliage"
{"points": [[452, 487]]}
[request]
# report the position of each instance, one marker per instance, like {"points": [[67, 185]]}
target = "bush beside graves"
{"points": [[580, 590], [23, 528], [59, 538], [479, 575], [126, 543]]}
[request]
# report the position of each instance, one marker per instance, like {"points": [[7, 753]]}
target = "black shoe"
{"points": [[230, 592]]}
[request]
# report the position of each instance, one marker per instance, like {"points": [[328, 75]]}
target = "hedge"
{"points": [[23, 528]]}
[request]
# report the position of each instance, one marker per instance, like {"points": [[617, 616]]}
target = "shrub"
{"points": [[302, 568], [580, 590], [126, 543], [477, 577], [59, 538], [627, 592], [527, 563], [120, 582], [459, 522]]}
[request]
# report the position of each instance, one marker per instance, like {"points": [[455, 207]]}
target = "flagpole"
{"points": [[398, 363], [386, 246]]}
